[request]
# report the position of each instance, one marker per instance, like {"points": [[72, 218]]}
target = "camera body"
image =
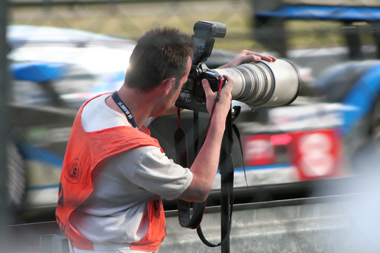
{"points": [[192, 95]]}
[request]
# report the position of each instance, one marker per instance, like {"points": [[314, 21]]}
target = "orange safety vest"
{"points": [[84, 151]]}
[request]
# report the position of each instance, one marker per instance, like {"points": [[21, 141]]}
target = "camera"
{"points": [[255, 83]]}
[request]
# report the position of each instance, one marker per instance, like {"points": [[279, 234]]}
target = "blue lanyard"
{"points": [[125, 109]]}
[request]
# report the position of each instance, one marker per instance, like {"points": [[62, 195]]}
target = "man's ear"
{"points": [[168, 85]]}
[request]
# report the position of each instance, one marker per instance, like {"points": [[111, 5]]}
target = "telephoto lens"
{"points": [[264, 83]]}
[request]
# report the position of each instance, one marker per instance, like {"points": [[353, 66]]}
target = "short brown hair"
{"points": [[160, 53]]}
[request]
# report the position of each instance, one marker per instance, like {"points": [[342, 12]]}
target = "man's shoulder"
{"points": [[96, 115]]}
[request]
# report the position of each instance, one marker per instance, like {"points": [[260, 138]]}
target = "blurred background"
{"points": [[310, 166]]}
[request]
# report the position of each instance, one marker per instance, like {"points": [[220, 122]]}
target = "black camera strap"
{"points": [[184, 208], [229, 184], [226, 170], [180, 143], [227, 173], [226, 167]]}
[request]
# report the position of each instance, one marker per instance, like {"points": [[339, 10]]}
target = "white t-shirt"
{"points": [[113, 213]]}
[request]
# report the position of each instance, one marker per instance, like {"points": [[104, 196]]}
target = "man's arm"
{"points": [[206, 163]]}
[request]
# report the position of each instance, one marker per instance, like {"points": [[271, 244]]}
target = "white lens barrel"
{"points": [[264, 83]]}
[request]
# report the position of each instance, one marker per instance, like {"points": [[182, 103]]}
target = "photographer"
{"points": [[114, 174]]}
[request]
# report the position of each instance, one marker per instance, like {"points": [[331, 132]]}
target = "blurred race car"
{"points": [[320, 137]]}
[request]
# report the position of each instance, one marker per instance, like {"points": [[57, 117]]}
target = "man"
{"points": [[114, 174]]}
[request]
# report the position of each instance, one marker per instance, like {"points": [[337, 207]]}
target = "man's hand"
{"points": [[224, 103], [247, 56]]}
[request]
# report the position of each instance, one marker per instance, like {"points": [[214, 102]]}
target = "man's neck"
{"points": [[139, 104]]}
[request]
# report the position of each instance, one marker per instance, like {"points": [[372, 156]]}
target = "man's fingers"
{"points": [[253, 56], [229, 83], [266, 57], [250, 58], [227, 86], [206, 87]]}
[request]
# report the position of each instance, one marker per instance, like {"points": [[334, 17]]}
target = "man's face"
{"points": [[172, 97]]}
